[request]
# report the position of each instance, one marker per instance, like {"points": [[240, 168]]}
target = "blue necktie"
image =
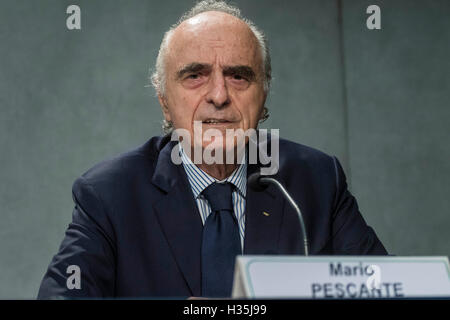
{"points": [[221, 242]]}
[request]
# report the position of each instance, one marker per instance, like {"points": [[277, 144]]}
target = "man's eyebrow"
{"points": [[244, 71], [192, 68]]}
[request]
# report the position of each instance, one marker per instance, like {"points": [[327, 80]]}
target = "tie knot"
{"points": [[219, 196]]}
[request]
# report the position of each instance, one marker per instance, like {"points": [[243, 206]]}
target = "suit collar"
{"points": [[166, 172]]}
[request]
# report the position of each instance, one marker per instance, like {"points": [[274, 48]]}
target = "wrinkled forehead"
{"points": [[213, 37]]}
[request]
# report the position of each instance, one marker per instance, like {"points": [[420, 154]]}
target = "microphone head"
{"points": [[255, 183]]}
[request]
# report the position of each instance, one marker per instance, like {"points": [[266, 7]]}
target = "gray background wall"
{"points": [[376, 99]]}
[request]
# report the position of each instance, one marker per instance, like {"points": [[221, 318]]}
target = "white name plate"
{"points": [[346, 277]]}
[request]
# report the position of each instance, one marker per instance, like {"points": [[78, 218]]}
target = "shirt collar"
{"points": [[200, 180]]}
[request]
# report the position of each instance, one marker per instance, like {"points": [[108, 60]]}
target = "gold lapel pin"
{"points": [[266, 213]]}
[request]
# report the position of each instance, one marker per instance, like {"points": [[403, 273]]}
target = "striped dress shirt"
{"points": [[200, 180]]}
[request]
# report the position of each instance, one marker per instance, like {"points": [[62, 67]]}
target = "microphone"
{"points": [[258, 183]]}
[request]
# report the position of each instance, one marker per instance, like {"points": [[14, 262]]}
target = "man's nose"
{"points": [[218, 92]]}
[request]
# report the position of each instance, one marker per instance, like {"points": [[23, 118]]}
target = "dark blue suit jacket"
{"points": [[136, 230]]}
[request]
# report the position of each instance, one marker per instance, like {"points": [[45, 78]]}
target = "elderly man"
{"points": [[145, 226]]}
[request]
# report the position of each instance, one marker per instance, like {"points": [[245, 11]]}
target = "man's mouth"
{"points": [[215, 121]]}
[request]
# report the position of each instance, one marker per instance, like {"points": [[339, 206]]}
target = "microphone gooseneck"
{"points": [[258, 182], [255, 183]]}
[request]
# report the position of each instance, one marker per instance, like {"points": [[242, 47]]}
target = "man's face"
{"points": [[214, 74]]}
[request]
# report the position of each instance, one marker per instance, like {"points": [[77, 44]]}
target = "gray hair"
{"points": [[158, 78]]}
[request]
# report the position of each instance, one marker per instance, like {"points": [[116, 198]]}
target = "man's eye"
{"points": [[193, 76], [238, 77]]}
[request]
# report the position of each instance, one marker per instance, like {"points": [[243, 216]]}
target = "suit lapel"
{"points": [[263, 218], [264, 215], [179, 218]]}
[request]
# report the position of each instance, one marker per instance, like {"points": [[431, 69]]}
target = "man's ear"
{"points": [[165, 109], [264, 110]]}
